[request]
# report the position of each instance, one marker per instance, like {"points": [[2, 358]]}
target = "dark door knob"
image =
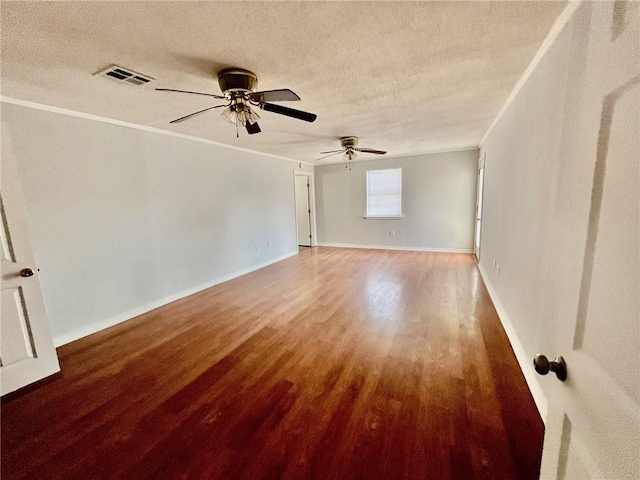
{"points": [[544, 366], [26, 272]]}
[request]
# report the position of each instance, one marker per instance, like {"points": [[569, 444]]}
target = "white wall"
{"points": [[123, 219], [438, 202], [518, 212]]}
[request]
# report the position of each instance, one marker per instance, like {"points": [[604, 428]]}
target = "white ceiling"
{"points": [[406, 77]]}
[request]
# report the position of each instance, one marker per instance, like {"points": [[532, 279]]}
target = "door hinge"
{"points": [[308, 211]]}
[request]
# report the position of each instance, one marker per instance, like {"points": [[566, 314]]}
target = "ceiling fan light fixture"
{"points": [[240, 113], [350, 155]]}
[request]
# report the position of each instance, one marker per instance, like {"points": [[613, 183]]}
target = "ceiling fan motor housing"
{"points": [[237, 80], [349, 142]]}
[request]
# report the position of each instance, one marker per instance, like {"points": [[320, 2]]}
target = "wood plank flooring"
{"points": [[333, 364]]}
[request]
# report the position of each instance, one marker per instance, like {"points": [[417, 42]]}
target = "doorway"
{"points": [[305, 211], [480, 191]]}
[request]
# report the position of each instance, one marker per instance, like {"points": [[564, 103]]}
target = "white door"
{"points": [[303, 210], [27, 353], [479, 193], [593, 424]]}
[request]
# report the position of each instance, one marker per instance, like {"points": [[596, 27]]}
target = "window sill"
{"points": [[395, 217]]}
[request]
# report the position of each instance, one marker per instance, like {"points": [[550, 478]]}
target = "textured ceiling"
{"points": [[406, 77]]}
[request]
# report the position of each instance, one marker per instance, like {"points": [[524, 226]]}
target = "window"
{"points": [[384, 193]]}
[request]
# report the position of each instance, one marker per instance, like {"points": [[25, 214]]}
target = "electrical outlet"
{"points": [[498, 269], [257, 247], [392, 232], [269, 243]]}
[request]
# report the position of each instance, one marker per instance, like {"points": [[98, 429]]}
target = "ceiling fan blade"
{"points": [[182, 119], [330, 155], [289, 112], [332, 151], [252, 128], [370, 150], [186, 91], [282, 95]]}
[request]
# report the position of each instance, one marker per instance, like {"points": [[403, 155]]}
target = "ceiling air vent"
{"points": [[125, 75]]}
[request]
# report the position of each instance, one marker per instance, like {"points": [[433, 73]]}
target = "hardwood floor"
{"points": [[333, 364]]}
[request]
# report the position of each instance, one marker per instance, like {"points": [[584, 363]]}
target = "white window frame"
{"points": [[368, 216]]}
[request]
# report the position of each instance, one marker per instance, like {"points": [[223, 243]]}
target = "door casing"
{"points": [[312, 204]]}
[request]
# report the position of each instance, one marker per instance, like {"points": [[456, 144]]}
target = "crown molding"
{"points": [[406, 155], [159, 131], [549, 40]]}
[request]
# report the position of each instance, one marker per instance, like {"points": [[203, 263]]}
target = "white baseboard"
{"points": [[391, 247], [65, 338], [526, 364]]}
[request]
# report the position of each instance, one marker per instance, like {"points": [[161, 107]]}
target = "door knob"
{"points": [[558, 366], [26, 272]]}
